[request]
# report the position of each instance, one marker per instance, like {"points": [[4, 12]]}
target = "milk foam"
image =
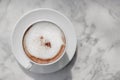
{"points": [[41, 33]]}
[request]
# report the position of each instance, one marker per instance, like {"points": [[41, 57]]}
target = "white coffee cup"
{"points": [[39, 15]]}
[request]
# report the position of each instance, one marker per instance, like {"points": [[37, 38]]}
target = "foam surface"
{"points": [[44, 40]]}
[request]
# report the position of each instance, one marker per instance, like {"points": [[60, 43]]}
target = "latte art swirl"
{"points": [[44, 42]]}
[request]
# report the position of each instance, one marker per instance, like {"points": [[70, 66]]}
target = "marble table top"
{"points": [[97, 25]]}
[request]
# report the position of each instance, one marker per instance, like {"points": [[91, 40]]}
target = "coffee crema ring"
{"points": [[46, 44]]}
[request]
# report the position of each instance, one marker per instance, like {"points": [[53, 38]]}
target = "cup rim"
{"points": [[50, 63]]}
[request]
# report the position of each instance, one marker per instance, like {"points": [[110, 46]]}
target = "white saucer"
{"points": [[43, 15]]}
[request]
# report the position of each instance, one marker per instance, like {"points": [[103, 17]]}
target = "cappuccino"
{"points": [[44, 42]]}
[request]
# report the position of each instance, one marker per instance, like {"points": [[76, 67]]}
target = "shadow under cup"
{"points": [[44, 42]]}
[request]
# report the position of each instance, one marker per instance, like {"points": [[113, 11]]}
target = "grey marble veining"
{"points": [[97, 25]]}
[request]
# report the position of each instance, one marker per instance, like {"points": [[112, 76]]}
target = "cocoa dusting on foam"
{"points": [[45, 42], [48, 44]]}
